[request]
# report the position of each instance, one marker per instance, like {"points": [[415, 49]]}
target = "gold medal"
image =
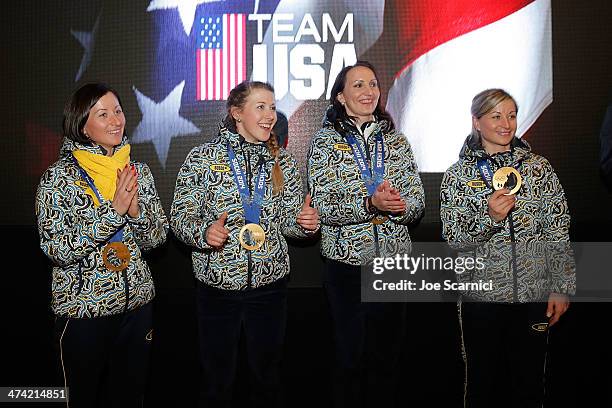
{"points": [[379, 220], [252, 236], [507, 177], [116, 256]]}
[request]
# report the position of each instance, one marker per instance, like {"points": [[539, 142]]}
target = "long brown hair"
{"points": [[237, 99]]}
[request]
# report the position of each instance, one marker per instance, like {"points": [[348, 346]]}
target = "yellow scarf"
{"points": [[103, 170]]}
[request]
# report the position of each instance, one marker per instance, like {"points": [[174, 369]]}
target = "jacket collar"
{"points": [[472, 150], [239, 143], [69, 145], [366, 130]]}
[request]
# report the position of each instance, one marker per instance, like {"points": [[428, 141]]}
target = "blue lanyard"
{"points": [[485, 172], [118, 236], [251, 205], [371, 179]]}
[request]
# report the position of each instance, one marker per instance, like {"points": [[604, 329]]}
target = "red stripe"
{"points": [[219, 77], [212, 83], [423, 25], [224, 71], [228, 49], [228, 86], [213, 57]]}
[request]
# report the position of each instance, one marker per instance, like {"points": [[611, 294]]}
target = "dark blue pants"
{"points": [[222, 315], [505, 353], [105, 360], [368, 340]]}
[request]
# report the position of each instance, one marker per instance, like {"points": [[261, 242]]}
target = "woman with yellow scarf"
{"points": [[97, 211]]}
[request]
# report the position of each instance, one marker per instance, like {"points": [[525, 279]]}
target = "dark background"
{"points": [[35, 85]]}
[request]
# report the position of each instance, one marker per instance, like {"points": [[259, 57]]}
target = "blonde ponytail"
{"points": [[278, 181]]}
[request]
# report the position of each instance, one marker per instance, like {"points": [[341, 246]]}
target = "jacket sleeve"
{"points": [[556, 222], [407, 180], [292, 201], [187, 218], [151, 226], [466, 223], [69, 231], [337, 200]]}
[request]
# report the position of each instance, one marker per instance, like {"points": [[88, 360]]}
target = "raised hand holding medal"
{"points": [[506, 182], [503, 200], [509, 178], [500, 204]]}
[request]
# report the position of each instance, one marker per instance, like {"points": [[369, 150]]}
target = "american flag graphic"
{"points": [[220, 55]]}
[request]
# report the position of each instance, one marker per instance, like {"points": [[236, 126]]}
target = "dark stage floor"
{"points": [[579, 364]]}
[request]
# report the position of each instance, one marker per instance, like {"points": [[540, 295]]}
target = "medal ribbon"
{"points": [[371, 179], [485, 172], [251, 205], [118, 236]]}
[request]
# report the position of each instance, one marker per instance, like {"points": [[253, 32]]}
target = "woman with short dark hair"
{"points": [[97, 212]]}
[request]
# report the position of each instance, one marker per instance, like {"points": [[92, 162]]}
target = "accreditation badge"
{"points": [[507, 177], [116, 256], [252, 236], [379, 219]]}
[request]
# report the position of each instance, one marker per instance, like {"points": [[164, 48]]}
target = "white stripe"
{"points": [[62, 361], [240, 48], [231, 48], [430, 101], [202, 76], [218, 74]]}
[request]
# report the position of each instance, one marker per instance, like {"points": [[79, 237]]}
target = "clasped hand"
{"points": [[126, 194], [388, 199]]}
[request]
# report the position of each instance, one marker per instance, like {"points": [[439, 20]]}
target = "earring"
{"points": [[238, 120]]}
